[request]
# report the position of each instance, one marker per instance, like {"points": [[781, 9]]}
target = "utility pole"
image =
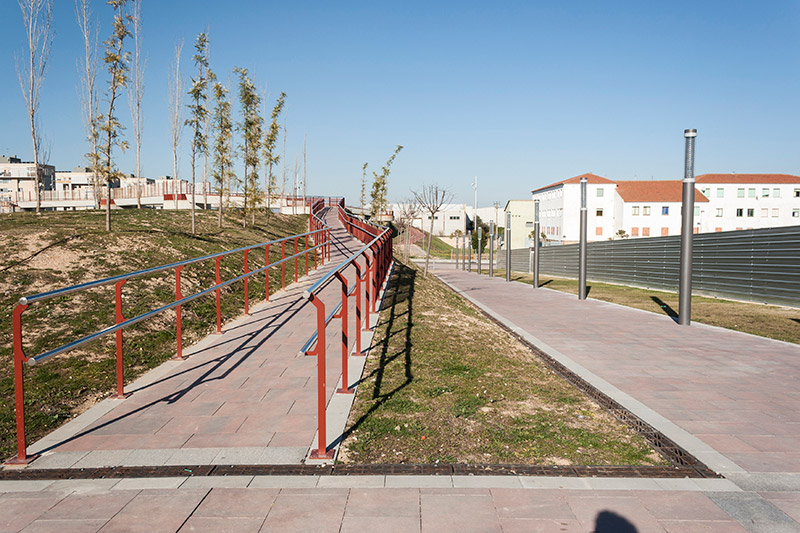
{"points": [[687, 232]]}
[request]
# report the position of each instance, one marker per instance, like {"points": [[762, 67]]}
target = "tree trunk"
{"points": [[428, 253], [108, 205], [194, 151]]}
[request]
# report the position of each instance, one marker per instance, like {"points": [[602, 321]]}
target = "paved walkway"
{"points": [[669, 376]]}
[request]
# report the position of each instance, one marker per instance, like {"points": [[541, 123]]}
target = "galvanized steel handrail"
{"points": [[320, 234]]}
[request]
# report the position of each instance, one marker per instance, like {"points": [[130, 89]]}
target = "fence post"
{"points": [[246, 294], [266, 273], [295, 259], [218, 295], [367, 275], [469, 251], [321, 452], [480, 236], [22, 456], [283, 265], [345, 388], [491, 249], [306, 255], [687, 230], [118, 312], [178, 296]]}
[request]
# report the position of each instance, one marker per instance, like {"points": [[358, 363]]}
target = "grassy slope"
{"points": [[76, 249], [773, 321], [443, 383]]}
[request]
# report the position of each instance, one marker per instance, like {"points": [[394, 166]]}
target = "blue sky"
{"points": [[520, 94]]}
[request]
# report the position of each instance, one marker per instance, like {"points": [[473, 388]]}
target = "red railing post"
{"points": [[345, 388], [375, 266], [368, 299], [322, 449], [316, 250], [295, 259], [328, 242], [358, 307], [218, 296], [118, 309], [306, 256], [246, 294], [19, 388], [266, 272], [178, 296], [283, 266]]}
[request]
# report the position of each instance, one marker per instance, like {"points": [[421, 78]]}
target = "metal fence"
{"points": [[761, 265]]}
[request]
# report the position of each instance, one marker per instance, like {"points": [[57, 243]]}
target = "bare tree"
{"points": [[175, 108], [37, 15], [87, 68], [363, 197], [431, 198], [408, 210], [197, 109], [136, 90], [304, 171]]}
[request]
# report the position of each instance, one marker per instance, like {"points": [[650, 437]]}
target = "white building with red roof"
{"points": [[624, 208]]}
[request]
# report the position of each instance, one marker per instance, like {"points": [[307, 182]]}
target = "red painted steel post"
{"points": [[266, 273], [246, 294], [19, 388], [358, 307], [219, 298], [345, 388], [328, 242], [316, 250], [375, 265], [295, 259], [306, 255], [283, 266], [366, 290], [178, 296], [118, 308], [321, 452]]}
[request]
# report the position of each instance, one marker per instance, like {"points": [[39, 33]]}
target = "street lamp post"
{"points": [[536, 244], [687, 232], [582, 245], [507, 240], [491, 249]]}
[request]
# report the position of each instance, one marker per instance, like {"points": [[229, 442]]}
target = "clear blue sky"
{"points": [[520, 94]]}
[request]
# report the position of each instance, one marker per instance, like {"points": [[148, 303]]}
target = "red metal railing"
{"points": [[377, 254], [318, 231]]}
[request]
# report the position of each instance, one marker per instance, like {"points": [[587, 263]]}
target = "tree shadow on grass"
{"points": [[400, 290], [666, 307]]}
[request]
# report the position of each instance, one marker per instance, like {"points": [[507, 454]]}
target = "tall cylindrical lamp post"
{"points": [[536, 244], [469, 251], [687, 232], [582, 245], [464, 250], [491, 249], [507, 241], [480, 236]]}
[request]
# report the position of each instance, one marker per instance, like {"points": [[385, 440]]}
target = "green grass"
{"points": [[53, 250], [443, 383], [773, 321]]}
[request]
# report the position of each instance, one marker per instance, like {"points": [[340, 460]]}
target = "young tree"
{"points": [[408, 210], [116, 62], [197, 108], [305, 177], [484, 235], [431, 199], [250, 126], [38, 19], [363, 187], [136, 91], [223, 151], [87, 69], [379, 203], [175, 115], [270, 157]]}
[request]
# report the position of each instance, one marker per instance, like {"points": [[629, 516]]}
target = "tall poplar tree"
{"points": [[87, 68], [271, 158], [136, 92], [223, 150], [250, 126], [197, 108], [116, 61]]}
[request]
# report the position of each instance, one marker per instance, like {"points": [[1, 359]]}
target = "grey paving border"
{"points": [[702, 451]]}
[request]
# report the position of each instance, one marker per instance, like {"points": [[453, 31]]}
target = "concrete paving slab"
{"points": [[487, 482], [401, 481], [282, 482], [213, 482], [753, 512], [142, 483]]}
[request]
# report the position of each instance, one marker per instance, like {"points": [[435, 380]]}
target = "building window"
{"points": [[706, 192], [645, 232], [664, 232], [646, 210], [775, 212], [455, 217], [740, 192], [720, 193], [598, 231], [797, 193], [636, 210], [528, 224], [665, 210], [765, 192], [776, 193], [697, 210], [751, 212], [719, 211], [751, 193], [599, 212], [764, 212], [635, 231], [795, 213], [740, 212], [718, 230], [600, 192]]}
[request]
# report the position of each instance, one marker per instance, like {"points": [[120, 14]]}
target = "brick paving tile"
{"points": [[395, 524], [533, 525], [788, 502], [310, 511], [91, 506], [532, 504], [222, 525], [157, 510], [20, 509], [458, 512], [613, 514], [241, 503], [81, 525], [682, 506], [383, 503]]}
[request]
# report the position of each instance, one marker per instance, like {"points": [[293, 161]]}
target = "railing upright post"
{"points": [[367, 297], [178, 296], [345, 388], [375, 265], [322, 449], [118, 312], [306, 255], [19, 388], [266, 273], [295, 259], [246, 280], [218, 280], [358, 307], [283, 265]]}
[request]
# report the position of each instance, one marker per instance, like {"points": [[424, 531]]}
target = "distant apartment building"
{"points": [[623, 208], [18, 179], [521, 222]]}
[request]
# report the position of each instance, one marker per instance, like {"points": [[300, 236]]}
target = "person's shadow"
{"points": [[611, 522]]}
